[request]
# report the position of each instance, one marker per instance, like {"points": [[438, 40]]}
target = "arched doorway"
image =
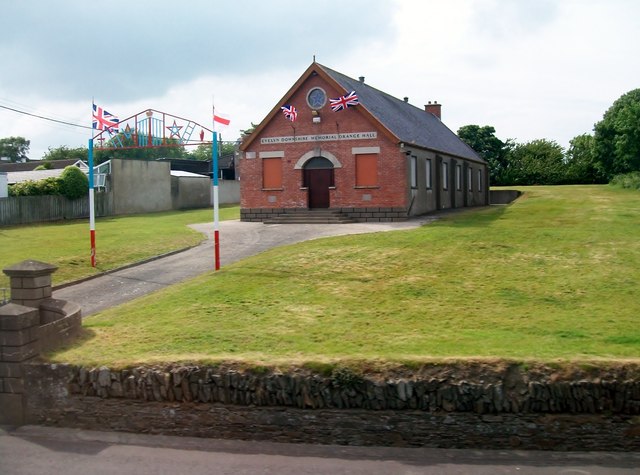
{"points": [[317, 177]]}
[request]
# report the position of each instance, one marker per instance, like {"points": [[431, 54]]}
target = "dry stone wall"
{"points": [[506, 410], [348, 390]]}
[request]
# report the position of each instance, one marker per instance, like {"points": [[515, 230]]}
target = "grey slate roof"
{"points": [[410, 124], [31, 164], [33, 175]]}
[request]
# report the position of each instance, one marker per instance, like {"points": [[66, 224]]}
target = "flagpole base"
{"points": [[216, 244], [93, 247]]}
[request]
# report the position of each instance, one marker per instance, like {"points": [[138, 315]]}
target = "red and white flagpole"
{"points": [[214, 178], [92, 212]]}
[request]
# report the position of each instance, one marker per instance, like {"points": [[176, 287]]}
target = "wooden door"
{"points": [[319, 181]]}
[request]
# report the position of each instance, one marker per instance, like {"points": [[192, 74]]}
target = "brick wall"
{"points": [[391, 191]]}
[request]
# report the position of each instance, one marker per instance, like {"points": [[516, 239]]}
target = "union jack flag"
{"points": [[343, 102], [102, 120], [290, 112]]}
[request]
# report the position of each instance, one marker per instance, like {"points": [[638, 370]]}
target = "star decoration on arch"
{"points": [[174, 130], [127, 132]]}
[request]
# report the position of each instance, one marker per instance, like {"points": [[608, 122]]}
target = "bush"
{"points": [[345, 378], [628, 180], [44, 166], [74, 183], [48, 186]]}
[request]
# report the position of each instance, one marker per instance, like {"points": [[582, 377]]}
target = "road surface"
{"points": [[35, 450]]}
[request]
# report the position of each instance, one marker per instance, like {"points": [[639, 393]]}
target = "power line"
{"points": [[45, 118]]}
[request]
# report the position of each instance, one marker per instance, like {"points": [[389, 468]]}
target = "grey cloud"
{"points": [[126, 49]]}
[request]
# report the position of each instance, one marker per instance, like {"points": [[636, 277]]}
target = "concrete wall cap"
{"points": [[62, 307], [13, 309], [29, 268]]}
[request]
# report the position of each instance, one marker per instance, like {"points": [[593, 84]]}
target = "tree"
{"points": [[617, 136], [493, 150], [65, 153], [539, 162], [203, 152], [580, 161], [248, 131], [14, 148]]}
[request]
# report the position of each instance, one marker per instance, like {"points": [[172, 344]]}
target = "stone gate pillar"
{"points": [[30, 282], [19, 333]]}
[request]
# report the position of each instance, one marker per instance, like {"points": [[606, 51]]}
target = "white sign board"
{"points": [[319, 138]]}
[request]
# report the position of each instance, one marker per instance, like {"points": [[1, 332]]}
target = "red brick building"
{"points": [[380, 160]]}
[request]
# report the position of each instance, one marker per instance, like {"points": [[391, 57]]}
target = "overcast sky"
{"points": [[530, 68]]}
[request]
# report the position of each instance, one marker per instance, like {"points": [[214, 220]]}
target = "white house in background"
{"points": [[4, 186]]}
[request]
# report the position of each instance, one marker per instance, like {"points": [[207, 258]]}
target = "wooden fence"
{"points": [[35, 209]]}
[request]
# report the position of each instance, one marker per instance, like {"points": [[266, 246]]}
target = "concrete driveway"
{"points": [[237, 241]]}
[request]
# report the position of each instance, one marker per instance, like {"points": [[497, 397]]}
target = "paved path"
{"points": [[36, 450], [237, 241]]}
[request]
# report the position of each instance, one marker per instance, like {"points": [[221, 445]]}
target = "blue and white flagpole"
{"points": [[214, 178]]}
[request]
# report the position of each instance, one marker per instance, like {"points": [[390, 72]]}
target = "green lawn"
{"points": [[120, 240], [554, 276]]}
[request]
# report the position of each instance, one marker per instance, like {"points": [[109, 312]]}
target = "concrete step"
{"points": [[310, 216]]}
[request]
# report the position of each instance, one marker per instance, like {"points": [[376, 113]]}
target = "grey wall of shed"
{"points": [[229, 191], [197, 192], [140, 186], [190, 192]]}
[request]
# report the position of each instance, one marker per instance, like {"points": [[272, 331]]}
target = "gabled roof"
{"points": [[32, 175], [14, 177], [32, 164], [408, 123], [402, 121]]}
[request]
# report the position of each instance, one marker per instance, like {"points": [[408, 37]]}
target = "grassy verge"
{"points": [[552, 276], [121, 240]]}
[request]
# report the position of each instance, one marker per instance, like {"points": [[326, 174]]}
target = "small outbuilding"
{"points": [[333, 142]]}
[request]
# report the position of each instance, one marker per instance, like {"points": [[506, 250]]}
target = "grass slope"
{"points": [[120, 240], [553, 276]]}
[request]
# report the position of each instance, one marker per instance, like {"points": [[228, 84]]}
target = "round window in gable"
{"points": [[316, 98]]}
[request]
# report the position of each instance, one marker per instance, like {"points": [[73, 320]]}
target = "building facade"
{"points": [[356, 150]]}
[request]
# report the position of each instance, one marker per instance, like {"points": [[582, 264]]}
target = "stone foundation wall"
{"points": [[366, 215], [362, 215], [503, 197], [344, 408]]}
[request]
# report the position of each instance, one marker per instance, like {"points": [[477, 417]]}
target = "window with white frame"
{"points": [[427, 174], [458, 177], [470, 179], [479, 180]]}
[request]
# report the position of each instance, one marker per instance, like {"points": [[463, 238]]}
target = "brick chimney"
{"points": [[434, 108]]}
